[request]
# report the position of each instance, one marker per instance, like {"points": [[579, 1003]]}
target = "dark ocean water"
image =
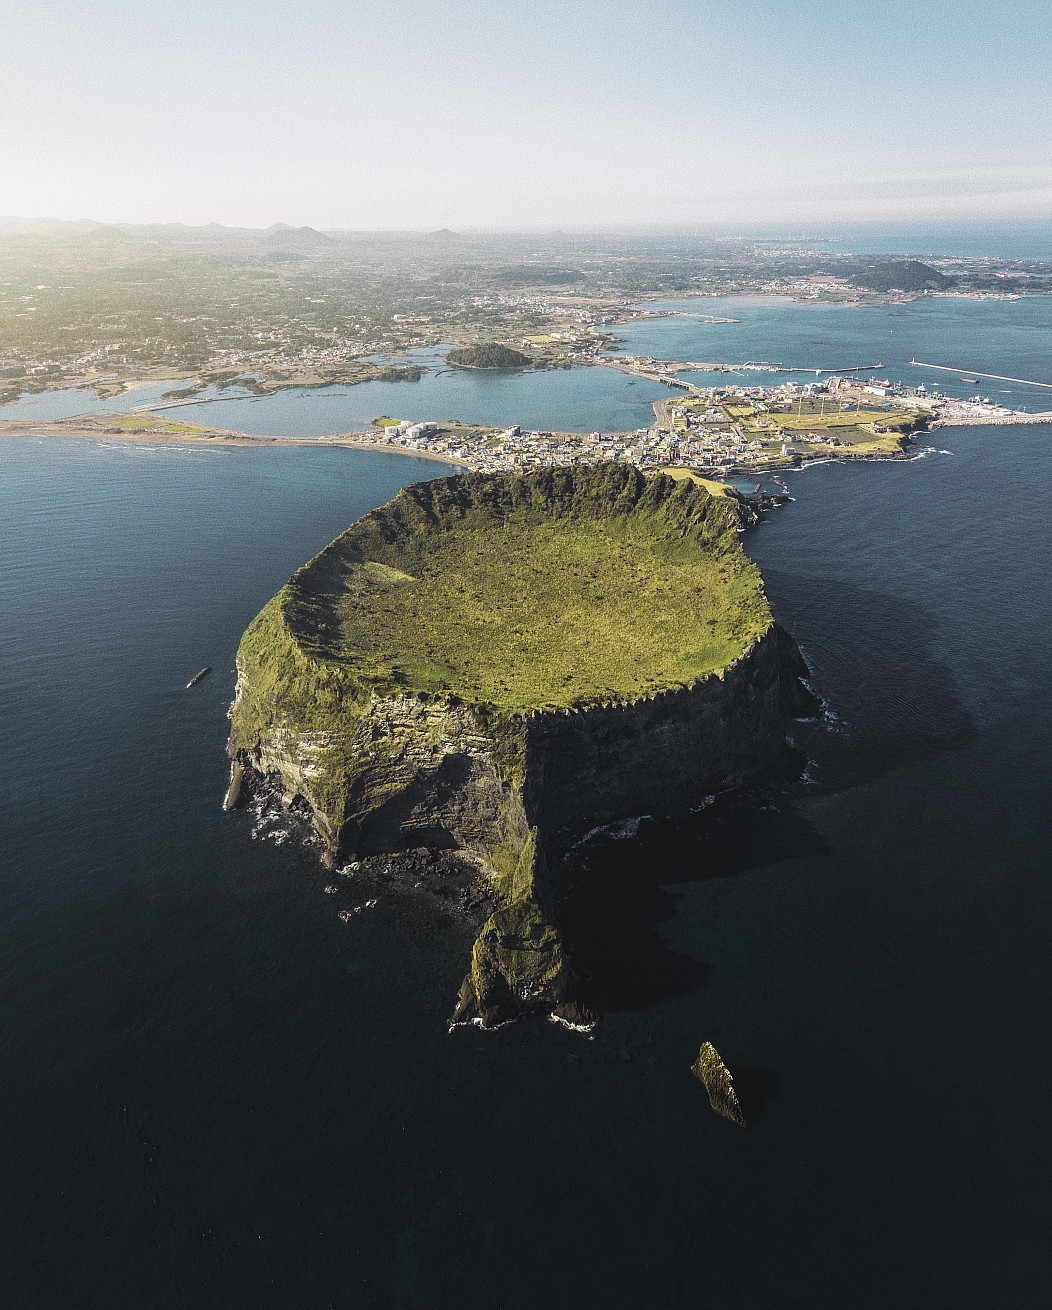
{"points": [[215, 1093]]}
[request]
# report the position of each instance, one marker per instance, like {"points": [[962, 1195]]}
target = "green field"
{"points": [[814, 416], [152, 423], [535, 606], [711, 485], [898, 420]]}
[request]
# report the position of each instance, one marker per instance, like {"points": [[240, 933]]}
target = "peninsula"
{"points": [[498, 663]]}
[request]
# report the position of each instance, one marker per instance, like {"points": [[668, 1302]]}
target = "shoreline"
{"points": [[907, 451], [168, 437], [111, 387]]}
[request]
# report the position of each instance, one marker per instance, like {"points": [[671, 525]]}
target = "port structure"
{"points": [[973, 373]]}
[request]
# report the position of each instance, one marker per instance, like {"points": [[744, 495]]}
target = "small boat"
{"points": [[970, 381], [198, 676]]}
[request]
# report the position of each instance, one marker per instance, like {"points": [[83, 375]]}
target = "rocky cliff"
{"points": [[385, 765]]}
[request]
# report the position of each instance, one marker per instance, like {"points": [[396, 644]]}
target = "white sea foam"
{"points": [[925, 451], [573, 1027], [347, 915], [826, 713], [619, 830], [476, 1022]]}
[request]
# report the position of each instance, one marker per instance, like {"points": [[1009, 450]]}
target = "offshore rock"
{"points": [[541, 707], [710, 1070]]}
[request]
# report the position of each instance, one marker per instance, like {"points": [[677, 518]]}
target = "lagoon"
{"points": [[1012, 337]]}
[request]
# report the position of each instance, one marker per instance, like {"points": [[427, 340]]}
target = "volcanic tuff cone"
{"points": [[499, 663]]}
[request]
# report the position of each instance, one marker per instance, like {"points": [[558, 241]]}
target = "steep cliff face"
{"points": [[384, 765], [660, 755]]}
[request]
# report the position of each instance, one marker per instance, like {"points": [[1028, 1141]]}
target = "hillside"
{"points": [[903, 275], [488, 355]]}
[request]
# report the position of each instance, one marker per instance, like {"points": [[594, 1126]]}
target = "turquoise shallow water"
{"points": [[1008, 337], [573, 400], [217, 1094]]}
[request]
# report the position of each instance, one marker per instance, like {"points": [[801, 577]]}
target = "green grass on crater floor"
{"points": [[525, 613]]}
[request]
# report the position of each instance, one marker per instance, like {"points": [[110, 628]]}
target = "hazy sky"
{"points": [[522, 112]]}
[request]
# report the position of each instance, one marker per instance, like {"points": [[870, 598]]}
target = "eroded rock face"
{"points": [[386, 768], [710, 1070]]}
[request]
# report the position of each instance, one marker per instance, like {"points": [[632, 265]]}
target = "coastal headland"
{"points": [[623, 659]]}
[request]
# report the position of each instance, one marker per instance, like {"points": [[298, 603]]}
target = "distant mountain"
{"points": [[106, 234], [903, 275], [50, 226], [283, 237]]}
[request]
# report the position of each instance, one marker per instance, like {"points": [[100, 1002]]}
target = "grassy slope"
{"points": [[553, 612], [151, 423], [712, 485], [556, 589]]}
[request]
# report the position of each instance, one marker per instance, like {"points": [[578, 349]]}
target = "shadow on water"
{"points": [[755, 1087], [894, 703], [875, 660], [613, 894]]}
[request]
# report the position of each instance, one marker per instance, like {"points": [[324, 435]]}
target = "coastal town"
{"points": [[220, 314], [113, 306], [718, 431], [713, 432]]}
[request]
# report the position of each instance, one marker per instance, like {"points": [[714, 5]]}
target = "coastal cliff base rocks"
{"points": [[494, 665]]}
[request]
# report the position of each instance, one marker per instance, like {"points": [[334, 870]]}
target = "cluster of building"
{"points": [[710, 431], [516, 448]]}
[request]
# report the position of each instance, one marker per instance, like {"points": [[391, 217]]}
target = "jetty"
{"points": [[967, 374], [659, 369], [855, 368]]}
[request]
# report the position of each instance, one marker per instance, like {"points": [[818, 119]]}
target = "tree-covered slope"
{"points": [[488, 355], [903, 275]]}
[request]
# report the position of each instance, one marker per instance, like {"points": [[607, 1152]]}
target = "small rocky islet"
{"points": [[494, 665], [718, 1082]]}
